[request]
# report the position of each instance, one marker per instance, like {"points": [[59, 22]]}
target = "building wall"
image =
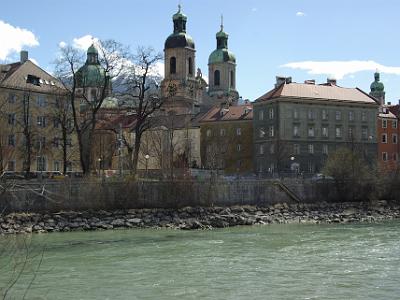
{"points": [[42, 112], [308, 150], [388, 144], [223, 148]]}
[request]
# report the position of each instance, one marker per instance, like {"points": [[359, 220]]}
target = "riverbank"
{"points": [[190, 218]]}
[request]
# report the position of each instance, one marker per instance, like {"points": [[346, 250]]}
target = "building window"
{"points": [[261, 115], [311, 132], [238, 131], [68, 142], [261, 132], [296, 131], [232, 79], [384, 123], [364, 133], [350, 133], [261, 149], [217, 78], [384, 156], [363, 116], [325, 132], [325, 149], [11, 119], [384, 138], [296, 149], [172, 65], [395, 156], [56, 142], [311, 114], [295, 114], [351, 116], [394, 124], [11, 165], [311, 148], [272, 149], [338, 115], [239, 164], [12, 98], [271, 113], [56, 166], [208, 133], [239, 147], [56, 123], [190, 63], [11, 140], [222, 132], [41, 101], [338, 132], [41, 121], [324, 114], [394, 138], [40, 163], [311, 166], [224, 148], [41, 142], [271, 131]]}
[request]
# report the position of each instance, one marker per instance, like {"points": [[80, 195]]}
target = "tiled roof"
{"points": [[17, 73], [233, 113], [320, 92]]}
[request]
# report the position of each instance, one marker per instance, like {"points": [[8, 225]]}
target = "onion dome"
{"points": [[377, 86], [179, 39], [221, 54], [91, 74]]}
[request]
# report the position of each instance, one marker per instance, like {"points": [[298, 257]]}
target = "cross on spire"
{"points": [[222, 22]]}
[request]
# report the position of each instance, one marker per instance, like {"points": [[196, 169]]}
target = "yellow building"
{"points": [[34, 114]]}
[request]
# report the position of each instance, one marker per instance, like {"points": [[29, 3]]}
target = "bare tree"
{"points": [[112, 57], [141, 89]]}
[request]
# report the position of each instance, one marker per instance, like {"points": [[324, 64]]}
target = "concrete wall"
{"points": [[83, 195]]}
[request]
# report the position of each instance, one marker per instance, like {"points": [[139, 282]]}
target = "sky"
{"points": [[304, 39]]}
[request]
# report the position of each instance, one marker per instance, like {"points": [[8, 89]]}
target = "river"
{"points": [[263, 262]]}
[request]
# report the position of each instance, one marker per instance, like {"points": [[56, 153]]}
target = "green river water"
{"points": [[264, 262]]}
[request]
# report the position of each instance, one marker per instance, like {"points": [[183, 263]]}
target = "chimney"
{"points": [[24, 56], [389, 103], [279, 80], [331, 81]]}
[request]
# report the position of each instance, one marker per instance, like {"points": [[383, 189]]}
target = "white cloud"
{"points": [[340, 69], [13, 39], [254, 9], [62, 44], [84, 42], [300, 14]]}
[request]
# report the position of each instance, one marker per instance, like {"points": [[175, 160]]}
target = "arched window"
{"points": [[190, 62], [172, 65], [217, 78], [232, 79]]}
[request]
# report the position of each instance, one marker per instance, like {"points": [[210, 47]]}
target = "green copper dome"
{"points": [[221, 56], [179, 39], [91, 74], [377, 86]]}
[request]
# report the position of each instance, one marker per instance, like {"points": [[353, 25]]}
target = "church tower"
{"points": [[222, 71], [181, 87], [378, 89]]}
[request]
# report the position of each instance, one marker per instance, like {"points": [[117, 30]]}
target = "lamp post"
{"points": [[292, 158], [99, 160], [147, 161]]}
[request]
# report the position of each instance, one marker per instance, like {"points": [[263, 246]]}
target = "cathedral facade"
{"points": [[184, 89]]}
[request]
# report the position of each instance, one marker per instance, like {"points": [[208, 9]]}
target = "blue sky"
{"points": [[343, 39]]}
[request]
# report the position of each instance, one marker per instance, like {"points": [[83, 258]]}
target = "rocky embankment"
{"points": [[199, 217]]}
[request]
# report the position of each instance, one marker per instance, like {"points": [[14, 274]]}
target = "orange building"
{"points": [[388, 139]]}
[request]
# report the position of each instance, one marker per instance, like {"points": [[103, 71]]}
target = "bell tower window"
{"points": [[172, 65], [217, 77], [190, 62], [232, 79]]}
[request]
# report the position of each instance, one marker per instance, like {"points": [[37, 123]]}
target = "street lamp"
{"points": [[147, 161], [99, 160]]}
